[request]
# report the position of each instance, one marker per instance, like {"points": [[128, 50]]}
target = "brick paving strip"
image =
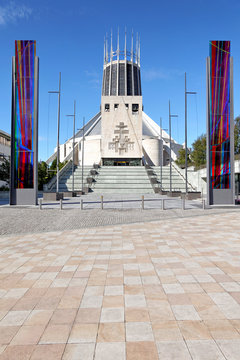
{"points": [[29, 219], [152, 290]]}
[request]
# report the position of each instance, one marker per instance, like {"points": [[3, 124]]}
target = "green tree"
{"points": [[43, 177], [54, 165], [237, 135], [199, 151], [5, 170], [45, 174], [181, 159]]}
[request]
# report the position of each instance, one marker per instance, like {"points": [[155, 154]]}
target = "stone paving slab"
{"points": [[154, 290]]}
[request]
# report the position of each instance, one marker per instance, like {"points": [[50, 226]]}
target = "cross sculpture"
{"points": [[121, 141]]}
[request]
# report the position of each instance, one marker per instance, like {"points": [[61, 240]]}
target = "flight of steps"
{"points": [[122, 179], [178, 183], [65, 180]]}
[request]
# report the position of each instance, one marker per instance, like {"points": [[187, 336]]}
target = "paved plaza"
{"points": [[167, 289], [117, 209]]}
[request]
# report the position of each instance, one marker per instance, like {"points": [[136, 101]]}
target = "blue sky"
{"points": [[174, 38]]}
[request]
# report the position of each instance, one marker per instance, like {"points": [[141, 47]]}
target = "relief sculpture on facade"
{"points": [[121, 143]]}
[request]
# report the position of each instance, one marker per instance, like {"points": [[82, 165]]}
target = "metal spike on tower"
{"points": [[121, 73]]}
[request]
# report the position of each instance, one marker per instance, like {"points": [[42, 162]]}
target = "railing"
{"points": [[52, 182], [51, 158], [175, 166], [163, 201]]}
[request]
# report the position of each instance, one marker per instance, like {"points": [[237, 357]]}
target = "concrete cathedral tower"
{"points": [[121, 105]]}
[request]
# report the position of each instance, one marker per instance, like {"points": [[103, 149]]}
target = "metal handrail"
{"points": [[174, 165], [52, 182]]}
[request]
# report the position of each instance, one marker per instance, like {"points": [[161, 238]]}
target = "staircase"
{"points": [[122, 180], [65, 180], [178, 183]]}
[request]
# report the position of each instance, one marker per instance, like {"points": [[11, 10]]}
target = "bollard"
{"points": [[183, 204], [237, 191], [101, 202], [60, 202], [163, 204], [81, 204], [142, 202], [203, 204], [40, 204]]}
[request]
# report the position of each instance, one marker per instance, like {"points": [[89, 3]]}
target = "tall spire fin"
{"points": [[111, 47], [125, 49], [104, 52], [139, 51], [136, 53], [118, 51], [107, 47], [132, 47]]}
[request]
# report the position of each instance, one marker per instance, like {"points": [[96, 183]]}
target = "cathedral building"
{"points": [[121, 133]]}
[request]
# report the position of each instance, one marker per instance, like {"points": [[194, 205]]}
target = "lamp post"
{"points": [[82, 147], [186, 148], [161, 150], [83, 128], [170, 136], [58, 127], [74, 113]]}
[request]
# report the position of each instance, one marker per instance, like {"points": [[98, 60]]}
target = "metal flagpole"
{"points": [[73, 146], [58, 128], [74, 116], [186, 152], [170, 135], [161, 159], [58, 131], [83, 150], [186, 148], [170, 145]]}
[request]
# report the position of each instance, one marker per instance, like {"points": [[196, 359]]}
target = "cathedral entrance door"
{"points": [[121, 163]]}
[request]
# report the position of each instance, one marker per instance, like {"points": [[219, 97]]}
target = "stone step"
{"points": [[122, 181], [128, 179], [112, 171], [122, 177], [173, 182], [123, 173], [75, 176], [122, 186], [123, 191], [122, 167]]}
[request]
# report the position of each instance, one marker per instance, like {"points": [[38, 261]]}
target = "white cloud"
{"points": [[160, 74], [94, 78], [13, 12], [152, 74]]}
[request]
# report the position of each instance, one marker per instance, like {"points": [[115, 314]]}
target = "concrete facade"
{"points": [[5, 150], [92, 151], [121, 127], [5, 145], [94, 148], [152, 149]]}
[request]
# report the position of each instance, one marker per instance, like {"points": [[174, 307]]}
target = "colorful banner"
{"points": [[220, 168], [25, 52]]}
